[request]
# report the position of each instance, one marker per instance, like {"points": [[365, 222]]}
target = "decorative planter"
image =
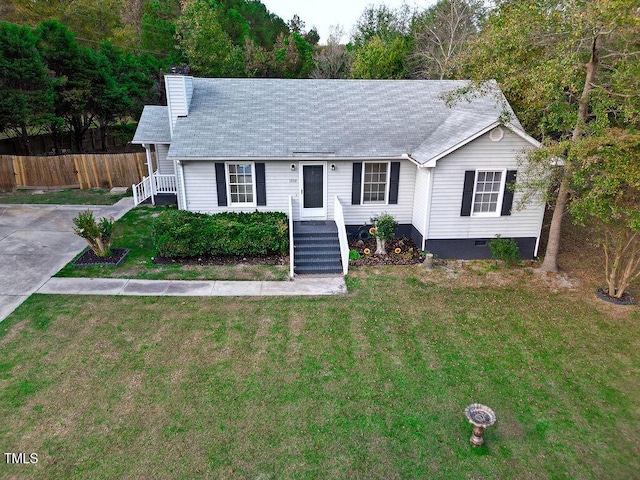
{"points": [[90, 259]]}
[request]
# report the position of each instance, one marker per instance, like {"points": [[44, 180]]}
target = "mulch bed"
{"points": [[409, 254], [626, 299], [90, 259], [226, 260]]}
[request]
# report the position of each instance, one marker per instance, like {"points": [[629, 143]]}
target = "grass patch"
{"points": [[93, 196], [368, 385], [135, 232]]}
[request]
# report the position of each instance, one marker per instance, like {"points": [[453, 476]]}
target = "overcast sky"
{"points": [[324, 13]]}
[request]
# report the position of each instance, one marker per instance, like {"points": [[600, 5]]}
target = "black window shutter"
{"points": [[356, 185], [221, 185], [467, 193], [507, 198], [394, 183], [261, 185]]}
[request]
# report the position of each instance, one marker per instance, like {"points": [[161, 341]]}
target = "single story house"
{"points": [[346, 150]]}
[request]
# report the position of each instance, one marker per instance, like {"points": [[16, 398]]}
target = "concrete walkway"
{"points": [[38, 240], [120, 286]]}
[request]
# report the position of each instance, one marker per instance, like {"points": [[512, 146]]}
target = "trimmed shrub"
{"points": [[505, 249], [178, 233]]}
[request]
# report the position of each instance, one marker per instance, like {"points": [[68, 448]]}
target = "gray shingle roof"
{"points": [[277, 118], [153, 126]]}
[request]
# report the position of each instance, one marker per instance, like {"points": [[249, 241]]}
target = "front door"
{"points": [[313, 193]]}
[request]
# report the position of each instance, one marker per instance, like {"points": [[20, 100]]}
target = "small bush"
{"points": [[505, 249], [354, 255], [178, 233], [98, 235]]}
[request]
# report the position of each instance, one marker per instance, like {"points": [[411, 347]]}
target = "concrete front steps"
{"points": [[316, 248]]}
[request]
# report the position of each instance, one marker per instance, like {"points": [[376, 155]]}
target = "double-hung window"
{"points": [[488, 192], [375, 182], [241, 184]]}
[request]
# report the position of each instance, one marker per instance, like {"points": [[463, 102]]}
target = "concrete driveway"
{"points": [[38, 240]]}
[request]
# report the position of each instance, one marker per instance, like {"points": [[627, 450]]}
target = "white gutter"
{"points": [[427, 212], [404, 156], [183, 192], [535, 252]]}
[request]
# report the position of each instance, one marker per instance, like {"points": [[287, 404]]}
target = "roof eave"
{"points": [[155, 142], [403, 156]]}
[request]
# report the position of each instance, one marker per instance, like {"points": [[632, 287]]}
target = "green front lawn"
{"points": [[93, 196], [369, 385], [135, 232]]}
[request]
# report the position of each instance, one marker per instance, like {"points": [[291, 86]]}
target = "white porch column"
{"points": [[152, 181]]}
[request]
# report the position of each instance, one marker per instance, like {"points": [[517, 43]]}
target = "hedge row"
{"points": [[178, 233]]}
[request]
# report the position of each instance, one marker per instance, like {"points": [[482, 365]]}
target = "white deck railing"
{"points": [[141, 191], [160, 184], [291, 250], [338, 214], [165, 183]]}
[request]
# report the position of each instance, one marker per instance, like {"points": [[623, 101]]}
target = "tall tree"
{"points": [[383, 22], [90, 20], [569, 70], [123, 90], [441, 33], [26, 102], [296, 24], [332, 61], [380, 59], [607, 187], [158, 29], [204, 43], [380, 43], [76, 76], [292, 57]]}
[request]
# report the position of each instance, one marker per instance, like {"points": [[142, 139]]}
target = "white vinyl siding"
{"points": [[375, 183], [340, 183], [164, 165], [482, 154], [281, 181], [200, 180], [179, 90]]}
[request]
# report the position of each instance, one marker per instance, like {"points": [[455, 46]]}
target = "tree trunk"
{"points": [[550, 263], [380, 247], [103, 136], [24, 140], [55, 136]]}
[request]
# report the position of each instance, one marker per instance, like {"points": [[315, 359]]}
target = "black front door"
{"points": [[313, 186]]}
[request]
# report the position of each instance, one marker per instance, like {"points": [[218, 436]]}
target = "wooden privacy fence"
{"points": [[72, 171]]}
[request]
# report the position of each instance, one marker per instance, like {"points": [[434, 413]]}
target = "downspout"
{"points": [[183, 192], [427, 210], [147, 149]]}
